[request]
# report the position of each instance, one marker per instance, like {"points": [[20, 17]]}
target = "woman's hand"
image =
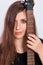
{"points": [[36, 45]]}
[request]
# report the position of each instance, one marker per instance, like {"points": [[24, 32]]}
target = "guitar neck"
{"points": [[30, 29]]}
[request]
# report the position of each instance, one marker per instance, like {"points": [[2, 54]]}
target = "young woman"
{"points": [[13, 48]]}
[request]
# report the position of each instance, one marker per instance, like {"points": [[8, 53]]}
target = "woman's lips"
{"points": [[18, 33]]}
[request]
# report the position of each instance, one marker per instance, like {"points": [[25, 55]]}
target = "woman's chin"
{"points": [[18, 37]]}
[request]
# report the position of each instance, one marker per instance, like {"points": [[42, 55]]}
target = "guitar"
{"points": [[30, 29]]}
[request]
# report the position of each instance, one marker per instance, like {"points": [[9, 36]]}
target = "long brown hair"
{"points": [[8, 49]]}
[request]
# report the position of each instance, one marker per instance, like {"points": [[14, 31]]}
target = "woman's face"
{"points": [[20, 25]]}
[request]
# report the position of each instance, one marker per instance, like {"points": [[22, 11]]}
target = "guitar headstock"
{"points": [[28, 4]]}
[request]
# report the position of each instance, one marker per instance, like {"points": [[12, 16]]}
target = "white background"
{"points": [[38, 13]]}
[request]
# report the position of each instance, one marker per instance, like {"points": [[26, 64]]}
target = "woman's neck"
{"points": [[20, 45]]}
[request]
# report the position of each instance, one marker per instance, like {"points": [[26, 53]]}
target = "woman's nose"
{"points": [[18, 25]]}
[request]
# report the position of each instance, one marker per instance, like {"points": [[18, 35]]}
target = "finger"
{"points": [[31, 39], [34, 36], [34, 1], [29, 42], [29, 46]]}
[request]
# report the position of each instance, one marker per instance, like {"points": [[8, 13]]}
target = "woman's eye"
{"points": [[24, 21]]}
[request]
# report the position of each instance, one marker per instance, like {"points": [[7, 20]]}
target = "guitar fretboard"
{"points": [[30, 29]]}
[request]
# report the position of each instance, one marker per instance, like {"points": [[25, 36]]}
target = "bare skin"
{"points": [[20, 46]]}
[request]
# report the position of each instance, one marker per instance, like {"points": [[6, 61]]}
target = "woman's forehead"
{"points": [[21, 15]]}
